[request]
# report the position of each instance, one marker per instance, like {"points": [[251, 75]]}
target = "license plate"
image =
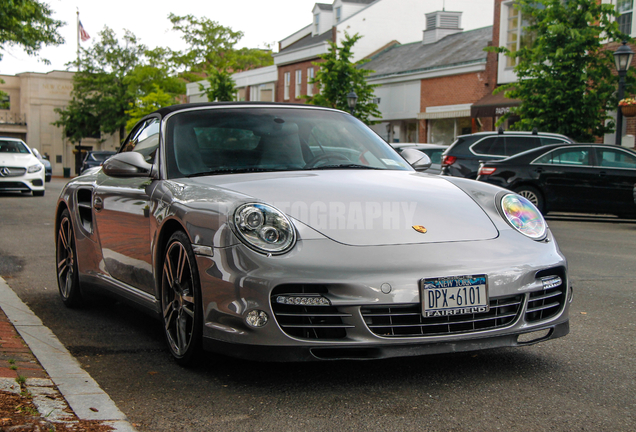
{"points": [[458, 295]]}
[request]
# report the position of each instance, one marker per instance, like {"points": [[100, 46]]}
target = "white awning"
{"points": [[444, 114], [445, 111]]}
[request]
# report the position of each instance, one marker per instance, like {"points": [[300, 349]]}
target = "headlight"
{"points": [[264, 228], [523, 216], [34, 168]]}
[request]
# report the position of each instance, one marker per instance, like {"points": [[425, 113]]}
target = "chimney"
{"points": [[441, 24]]}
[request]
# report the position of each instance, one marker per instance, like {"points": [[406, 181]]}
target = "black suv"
{"points": [[463, 157]]}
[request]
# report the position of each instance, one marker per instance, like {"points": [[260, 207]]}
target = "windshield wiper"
{"points": [[343, 166], [235, 171]]}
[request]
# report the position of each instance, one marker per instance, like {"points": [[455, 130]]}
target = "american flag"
{"points": [[84, 36]]}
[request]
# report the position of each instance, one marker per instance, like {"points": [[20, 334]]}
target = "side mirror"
{"points": [[418, 160], [129, 164]]}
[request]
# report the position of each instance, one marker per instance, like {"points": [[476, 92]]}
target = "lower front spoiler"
{"points": [[358, 352]]}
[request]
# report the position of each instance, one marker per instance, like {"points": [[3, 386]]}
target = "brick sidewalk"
{"points": [[15, 356]]}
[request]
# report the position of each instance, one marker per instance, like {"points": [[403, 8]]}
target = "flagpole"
{"points": [[78, 42]]}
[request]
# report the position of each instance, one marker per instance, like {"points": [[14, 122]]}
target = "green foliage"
{"points": [[116, 84], [338, 76], [212, 46], [28, 24], [566, 78], [147, 104], [221, 86]]}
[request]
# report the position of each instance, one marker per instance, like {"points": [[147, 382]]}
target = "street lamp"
{"points": [[623, 58], [352, 100]]}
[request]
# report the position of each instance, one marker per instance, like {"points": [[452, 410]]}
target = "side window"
{"points": [[144, 140], [490, 146], [516, 145], [566, 156], [615, 158], [547, 141]]}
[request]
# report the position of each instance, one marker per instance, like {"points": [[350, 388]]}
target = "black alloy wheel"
{"points": [[66, 259], [181, 300], [533, 195]]}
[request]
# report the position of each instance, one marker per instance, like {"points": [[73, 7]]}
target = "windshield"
{"points": [[13, 147], [220, 141], [101, 157]]}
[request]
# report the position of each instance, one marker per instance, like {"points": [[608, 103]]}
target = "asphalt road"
{"points": [[584, 381]]}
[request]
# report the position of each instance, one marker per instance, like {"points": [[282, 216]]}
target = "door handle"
{"points": [[98, 203]]}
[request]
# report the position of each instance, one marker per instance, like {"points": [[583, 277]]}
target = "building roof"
{"points": [[456, 49], [308, 41], [358, 1], [324, 6]]}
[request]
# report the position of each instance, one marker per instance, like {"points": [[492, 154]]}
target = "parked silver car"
{"points": [[285, 232]]}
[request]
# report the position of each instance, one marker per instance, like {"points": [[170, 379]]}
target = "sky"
{"points": [[263, 22]]}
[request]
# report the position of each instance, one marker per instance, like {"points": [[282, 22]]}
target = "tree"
{"points": [[337, 76], [118, 84], [221, 86], [28, 24], [212, 46], [566, 76]]}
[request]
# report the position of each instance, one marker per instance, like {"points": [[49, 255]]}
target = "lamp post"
{"points": [[623, 58], [352, 100]]}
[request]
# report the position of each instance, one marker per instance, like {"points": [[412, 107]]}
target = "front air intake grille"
{"points": [[308, 322], [12, 171], [545, 304], [550, 301], [13, 186], [408, 321]]}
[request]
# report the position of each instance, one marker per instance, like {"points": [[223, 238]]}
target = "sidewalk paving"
{"points": [[33, 361]]}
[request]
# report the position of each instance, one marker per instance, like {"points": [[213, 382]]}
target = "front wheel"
{"points": [[533, 195], [181, 300], [66, 259]]}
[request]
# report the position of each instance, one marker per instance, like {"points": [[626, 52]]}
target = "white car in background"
{"points": [[20, 170]]}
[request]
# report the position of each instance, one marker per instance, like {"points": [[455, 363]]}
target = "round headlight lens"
{"points": [[523, 216], [264, 228]]}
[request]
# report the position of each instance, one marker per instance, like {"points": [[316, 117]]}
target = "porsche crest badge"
{"points": [[419, 229]]}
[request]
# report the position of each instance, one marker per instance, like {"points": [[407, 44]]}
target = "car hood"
{"points": [[365, 208], [18, 160]]}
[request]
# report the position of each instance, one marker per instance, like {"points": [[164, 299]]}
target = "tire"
{"points": [[66, 259], [533, 195], [38, 193], [182, 313]]}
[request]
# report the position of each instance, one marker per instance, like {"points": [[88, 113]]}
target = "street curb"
{"points": [[84, 396]]}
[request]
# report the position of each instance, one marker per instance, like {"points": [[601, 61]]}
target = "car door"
{"points": [[122, 212], [567, 179], [616, 177]]}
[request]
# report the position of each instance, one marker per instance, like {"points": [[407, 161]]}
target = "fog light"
{"points": [[551, 282], [256, 318], [533, 336], [303, 300]]}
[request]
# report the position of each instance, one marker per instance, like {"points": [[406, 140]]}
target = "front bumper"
{"points": [[26, 182], [367, 319]]}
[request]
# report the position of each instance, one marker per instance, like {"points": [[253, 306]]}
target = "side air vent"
{"points": [[84, 208]]}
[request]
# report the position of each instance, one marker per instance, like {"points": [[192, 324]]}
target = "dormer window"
{"points": [[316, 24], [338, 14], [625, 8]]}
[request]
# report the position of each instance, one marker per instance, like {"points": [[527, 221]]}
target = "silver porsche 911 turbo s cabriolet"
{"points": [[283, 232]]}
